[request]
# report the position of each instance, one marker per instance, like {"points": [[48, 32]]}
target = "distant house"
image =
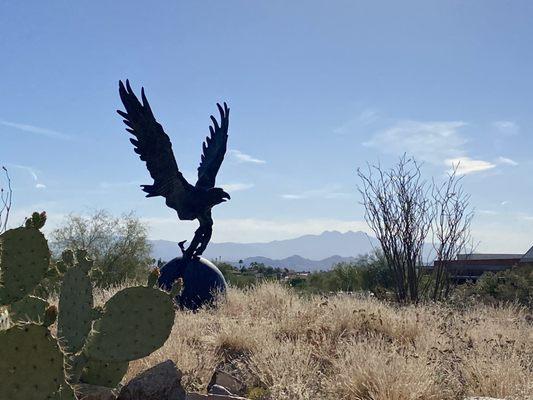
{"points": [[471, 266]]}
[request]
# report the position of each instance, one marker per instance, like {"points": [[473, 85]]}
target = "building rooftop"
{"points": [[528, 257], [483, 256]]}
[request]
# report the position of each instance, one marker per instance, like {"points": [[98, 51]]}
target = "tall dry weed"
{"points": [[346, 347]]}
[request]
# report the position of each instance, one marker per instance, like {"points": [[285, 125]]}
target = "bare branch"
{"points": [[6, 199], [450, 230], [398, 210]]}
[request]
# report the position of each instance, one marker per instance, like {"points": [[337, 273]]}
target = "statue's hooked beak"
{"points": [[225, 196]]}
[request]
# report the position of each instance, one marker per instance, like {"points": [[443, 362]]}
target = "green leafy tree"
{"points": [[118, 245]]}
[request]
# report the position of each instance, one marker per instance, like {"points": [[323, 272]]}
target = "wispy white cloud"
{"points": [[292, 196], [245, 158], [33, 173], [236, 187], [432, 142], [326, 192], [467, 165], [366, 117], [508, 128], [507, 161], [36, 130], [439, 143]]}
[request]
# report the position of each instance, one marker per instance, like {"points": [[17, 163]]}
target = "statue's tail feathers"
{"points": [[151, 190]]}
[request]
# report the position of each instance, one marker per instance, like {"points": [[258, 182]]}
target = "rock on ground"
{"points": [[161, 382], [217, 389], [199, 396], [228, 382], [92, 392]]}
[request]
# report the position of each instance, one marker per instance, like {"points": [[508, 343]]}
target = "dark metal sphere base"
{"points": [[202, 280]]}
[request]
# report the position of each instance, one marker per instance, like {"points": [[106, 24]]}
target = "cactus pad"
{"points": [[136, 321], [75, 306], [37, 220], [29, 309], [68, 257], [24, 262], [101, 373], [31, 366]]}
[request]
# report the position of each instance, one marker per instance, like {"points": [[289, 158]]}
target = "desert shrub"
{"points": [[367, 273], [512, 285], [118, 245]]}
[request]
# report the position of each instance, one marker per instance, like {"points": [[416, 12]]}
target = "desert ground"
{"points": [[284, 346]]}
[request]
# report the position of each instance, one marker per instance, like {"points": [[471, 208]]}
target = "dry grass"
{"points": [[351, 348]]}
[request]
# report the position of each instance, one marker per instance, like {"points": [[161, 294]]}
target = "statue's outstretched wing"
{"points": [[154, 147], [214, 149]]}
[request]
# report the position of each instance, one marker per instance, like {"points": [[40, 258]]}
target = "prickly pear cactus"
{"points": [[136, 321], [31, 365], [37, 220], [153, 276], [107, 374], [29, 309], [24, 262], [75, 302]]}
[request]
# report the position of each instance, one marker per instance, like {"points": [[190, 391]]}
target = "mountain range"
{"points": [[304, 253]]}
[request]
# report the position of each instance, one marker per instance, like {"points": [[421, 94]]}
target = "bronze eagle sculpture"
{"points": [[153, 146]]}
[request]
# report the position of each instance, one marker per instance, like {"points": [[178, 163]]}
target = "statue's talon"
{"points": [[205, 237], [198, 244]]}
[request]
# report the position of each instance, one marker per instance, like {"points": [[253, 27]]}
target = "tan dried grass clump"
{"points": [[344, 347]]}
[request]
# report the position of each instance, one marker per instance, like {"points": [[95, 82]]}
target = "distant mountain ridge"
{"points": [[308, 252]]}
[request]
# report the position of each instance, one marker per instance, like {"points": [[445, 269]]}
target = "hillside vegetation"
{"points": [[344, 347]]}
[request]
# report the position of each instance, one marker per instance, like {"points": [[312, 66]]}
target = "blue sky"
{"points": [[316, 89]]}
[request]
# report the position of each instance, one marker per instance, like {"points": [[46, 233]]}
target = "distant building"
{"points": [[472, 266], [528, 257]]}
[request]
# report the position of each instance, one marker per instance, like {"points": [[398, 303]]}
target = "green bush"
{"points": [[515, 284], [246, 277], [512, 285], [368, 273]]}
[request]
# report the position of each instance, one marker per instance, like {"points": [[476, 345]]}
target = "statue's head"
{"points": [[217, 196]]}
